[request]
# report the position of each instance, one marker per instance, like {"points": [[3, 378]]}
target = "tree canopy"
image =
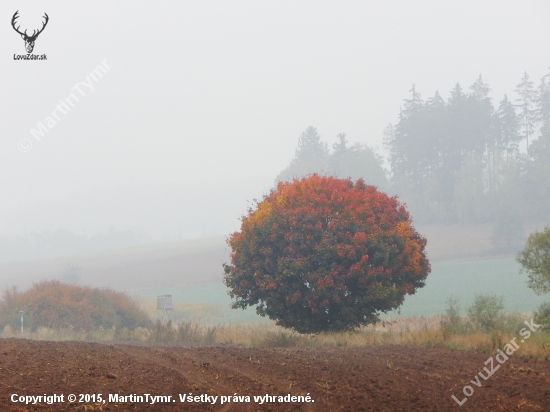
{"points": [[535, 259], [322, 253], [312, 156], [355, 161], [461, 159]]}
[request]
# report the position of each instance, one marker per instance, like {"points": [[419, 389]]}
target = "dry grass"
{"points": [[419, 330], [198, 312], [426, 331], [183, 332], [73, 334]]}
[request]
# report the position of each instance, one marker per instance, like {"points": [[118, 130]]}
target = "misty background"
{"points": [[205, 105]]}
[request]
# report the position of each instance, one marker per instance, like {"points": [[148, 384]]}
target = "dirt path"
{"points": [[378, 378]]}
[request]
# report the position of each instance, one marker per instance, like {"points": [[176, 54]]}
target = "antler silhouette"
{"points": [[29, 40], [15, 16], [43, 26]]}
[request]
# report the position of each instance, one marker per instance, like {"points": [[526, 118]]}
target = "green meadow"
{"points": [[462, 280]]}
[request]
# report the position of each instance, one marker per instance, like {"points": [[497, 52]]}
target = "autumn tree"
{"points": [[325, 254]]}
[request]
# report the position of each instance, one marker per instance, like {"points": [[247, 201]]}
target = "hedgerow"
{"points": [[54, 304]]}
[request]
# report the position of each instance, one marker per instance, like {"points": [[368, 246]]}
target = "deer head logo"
{"points": [[29, 40]]}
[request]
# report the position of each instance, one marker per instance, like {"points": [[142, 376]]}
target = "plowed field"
{"points": [[378, 378]]}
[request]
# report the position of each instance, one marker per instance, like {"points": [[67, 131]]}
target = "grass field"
{"points": [[460, 279], [464, 279]]}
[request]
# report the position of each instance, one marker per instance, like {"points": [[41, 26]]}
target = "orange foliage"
{"points": [[322, 253], [54, 304]]}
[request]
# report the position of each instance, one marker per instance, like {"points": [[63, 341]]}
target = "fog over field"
{"points": [[251, 202], [201, 104]]}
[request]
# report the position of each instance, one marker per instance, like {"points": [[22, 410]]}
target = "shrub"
{"points": [[511, 322], [452, 322], [485, 313], [54, 304], [325, 254], [542, 315], [535, 259]]}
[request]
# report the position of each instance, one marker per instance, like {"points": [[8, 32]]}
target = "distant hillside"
{"points": [[465, 242], [139, 267], [200, 261]]}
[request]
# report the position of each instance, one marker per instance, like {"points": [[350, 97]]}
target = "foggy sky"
{"points": [[203, 102]]}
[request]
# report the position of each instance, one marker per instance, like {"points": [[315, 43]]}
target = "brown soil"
{"points": [[378, 378]]}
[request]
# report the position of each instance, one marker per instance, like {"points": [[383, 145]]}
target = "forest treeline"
{"points": [[462, 160]]}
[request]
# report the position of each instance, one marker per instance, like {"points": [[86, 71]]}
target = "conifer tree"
{"points": [[525, 103], [311, 156], [508, 126], [542, 101]]}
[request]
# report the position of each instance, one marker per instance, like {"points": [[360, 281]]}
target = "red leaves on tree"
{"points": [[322, 253]]}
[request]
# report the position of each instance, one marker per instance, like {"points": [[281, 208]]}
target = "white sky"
{"points": [[219, 92]]}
